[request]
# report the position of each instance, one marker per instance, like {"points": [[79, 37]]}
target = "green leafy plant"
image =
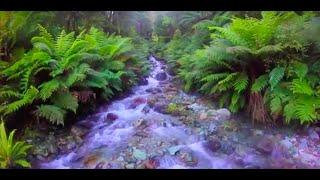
{"points": [[12, 153]]}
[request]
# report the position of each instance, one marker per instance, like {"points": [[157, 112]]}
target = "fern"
{"points": [[260, 83], [52, 113], [12, 153], [301, 87], [27, 99], [275, 76], [241, 82], [65, 100], [48, 88]]}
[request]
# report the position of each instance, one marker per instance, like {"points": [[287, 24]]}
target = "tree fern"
{"points": [[241, 82], [275, 76], [260, 83], [301, 87]]}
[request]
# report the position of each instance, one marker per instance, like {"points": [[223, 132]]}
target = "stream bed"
{"points": [[159, 126]]}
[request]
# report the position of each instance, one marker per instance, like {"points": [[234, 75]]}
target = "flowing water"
{"points": [[140, 135]]}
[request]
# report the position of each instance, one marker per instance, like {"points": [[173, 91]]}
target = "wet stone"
{"points": [[188, 157], [146, 109], [265, 145], [313, 134], [213, 144], [111, 117], [136, 102], [161, 76], [153, 90], [173, 150], [139, 154], [227, 148]]}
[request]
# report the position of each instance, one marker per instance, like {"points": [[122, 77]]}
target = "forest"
{"points": [[159, 89]]}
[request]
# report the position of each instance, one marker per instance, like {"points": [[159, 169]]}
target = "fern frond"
{"points": [[275, 76], [47, 88], [301, 87], [52, 113], [260, 83], [241, 82], [28, 98], [66, 101]]}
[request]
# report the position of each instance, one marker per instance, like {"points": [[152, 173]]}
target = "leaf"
{"points": [[275, 76], [260, 83], [47, 88], [241, 82], [23, 163], [301, 87], [52, 113], [66, 101]]}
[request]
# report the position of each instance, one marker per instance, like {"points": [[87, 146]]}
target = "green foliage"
{"points": [[53, 113], [251, 58], [92, 61], [12, 153]]}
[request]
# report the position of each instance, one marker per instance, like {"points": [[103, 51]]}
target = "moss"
{"points": [[172, 108]]}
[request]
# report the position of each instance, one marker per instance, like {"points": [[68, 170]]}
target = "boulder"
{"points": [[161, 76], [111, 117], [153, 90], [143, 81], [265, 145], [223, 114], [78, 131], [136, 102], [146, 109], [213, 144]]}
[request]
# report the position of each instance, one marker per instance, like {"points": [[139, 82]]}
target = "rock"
{"points": [[313, 135], [86, 124], [94, 118], [223, 114], [203, 116], [140, 123], [146, 109], [151, 164], [307, 158], [173, 150], [187, 156], [161, 76], [195, 107], [286, 144], [136, 102], [280, 158], [227, 148], [257, 132], [111, 117], [303, 143], [78, 131], [101, 165], [213, 144], [153, 90], [213, 129], [143, 81], [139, 154], [252, 161], [161, 108], [90, 161], [130, 166], [265, 145]]}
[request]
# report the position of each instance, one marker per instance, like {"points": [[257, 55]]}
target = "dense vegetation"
{"points": [[56, 65], [265, 64]]}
